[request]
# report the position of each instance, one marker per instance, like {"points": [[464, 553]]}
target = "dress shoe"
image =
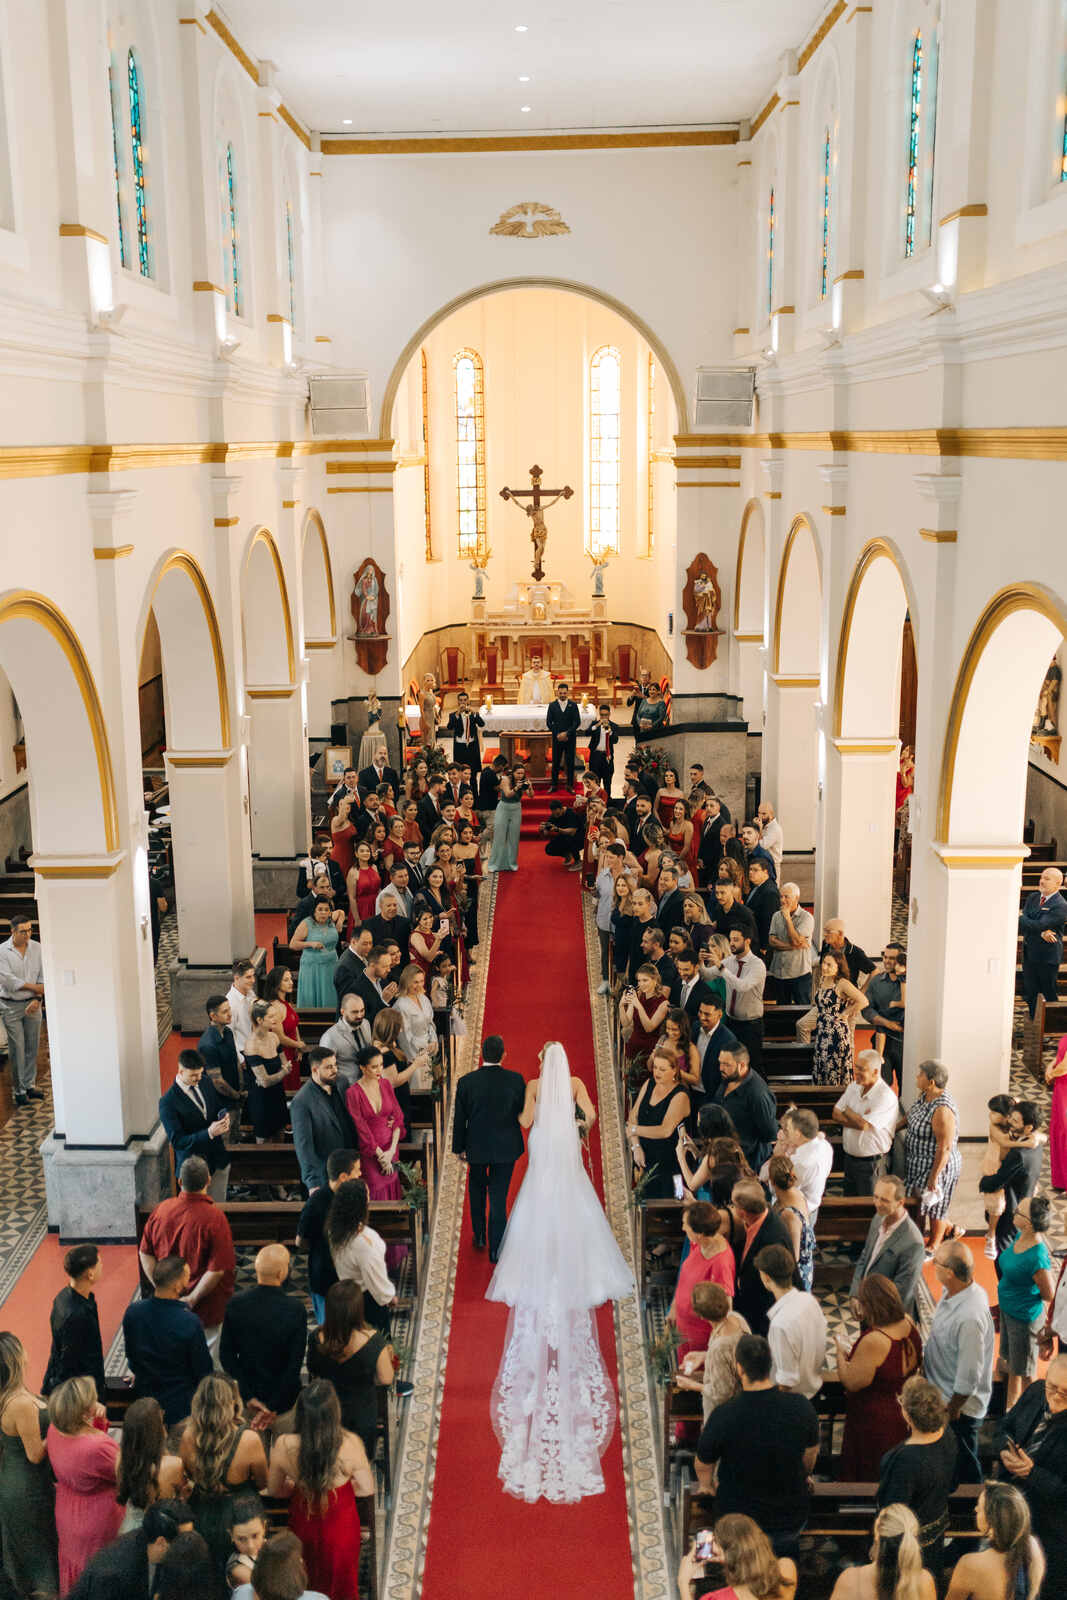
{"points": [[404, 1388], [494, 1255], [20, 1100], [479, 1244], [34, 1094]]}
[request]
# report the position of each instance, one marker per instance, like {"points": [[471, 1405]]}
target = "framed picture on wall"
{"points": [[336, 758]]}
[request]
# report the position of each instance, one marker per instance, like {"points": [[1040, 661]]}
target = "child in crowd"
{"points": [[248, 1532], [1000, 1140]]}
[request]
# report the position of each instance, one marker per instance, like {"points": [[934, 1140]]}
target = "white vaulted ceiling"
{"points": [[453, 66]]}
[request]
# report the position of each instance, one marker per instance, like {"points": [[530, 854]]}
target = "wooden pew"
{"points": [[784, 1057], [780, 1022], [275, 1162]]}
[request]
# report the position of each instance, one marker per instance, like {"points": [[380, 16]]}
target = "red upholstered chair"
{"points": [[493, 674], [453, 670], [583, 678], [624, 669], [536, 647]]}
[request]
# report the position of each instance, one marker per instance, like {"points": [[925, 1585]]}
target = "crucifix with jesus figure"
{"points": [[535, 511]]}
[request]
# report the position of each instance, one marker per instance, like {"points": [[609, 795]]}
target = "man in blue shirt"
{"points": [[958, 1358], [165, 1344]]}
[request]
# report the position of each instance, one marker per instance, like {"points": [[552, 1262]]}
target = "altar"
{"points": [[543, 621]]}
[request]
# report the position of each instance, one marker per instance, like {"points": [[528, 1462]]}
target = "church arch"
{"points": [[320, 604], [866, 695], [673, 376], [266, 615], [66, 735], [798, 602], [197, 695], [981, 802], [749, 573]]}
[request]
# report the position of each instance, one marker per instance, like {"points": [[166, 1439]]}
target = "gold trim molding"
{"points": [[820, 34], [111, 552], [276, 316], [335, 467], [319, 644], [205, 286], [773, 494], [23, 605], [859, 11], [1005, 859], [226, 522], [285, 693], [81, 870], [980, 209], [761, 116], [870, 747], [1007, 601], [748, 638], [77, 230], [740, 330], [476, 144], [835, 511], [184, 561], [727, 463], [939, 535], [221, 758], [786, 680], [361, 488], [801, 521], [289, 505], [710, 483], [785, 311], [853, 275], [876, 550]]}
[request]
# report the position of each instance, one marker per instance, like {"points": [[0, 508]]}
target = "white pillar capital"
{"points": [[834, 474], [773, 470], [108, 505], [224, 486], [941, 487]]}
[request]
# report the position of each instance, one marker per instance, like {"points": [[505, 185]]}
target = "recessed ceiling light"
{"points": [[524, 77], [524, 108], [520, 27], [347, 122]]}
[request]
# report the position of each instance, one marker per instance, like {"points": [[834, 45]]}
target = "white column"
{"points": [[748, 677], [790, 756], [278, 772], [210, 865], [858, 799]]}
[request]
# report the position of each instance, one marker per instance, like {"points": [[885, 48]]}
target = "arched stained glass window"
{"points": [[911, 197], [1063, 150], [144, 258], [824, 275], [470, 451], [651, 447], [290, 257], [770, 253], [426, 455], [605, 418], [115, 158], [232, 242]]}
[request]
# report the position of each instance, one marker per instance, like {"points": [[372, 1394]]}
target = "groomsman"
{"points": [[603, 737], [463, 725], [563, 721]]}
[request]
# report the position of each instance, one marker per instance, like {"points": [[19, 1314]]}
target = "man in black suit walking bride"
{"points": [[487, 1135]]}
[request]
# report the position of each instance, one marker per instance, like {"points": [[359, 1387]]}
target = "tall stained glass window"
{"points": [[470, 451], [115, 158], [770, 254], [824, 275], [290, 258], [911, 197], [232, 243], [140, 201], [651, 446], [605, 418]]}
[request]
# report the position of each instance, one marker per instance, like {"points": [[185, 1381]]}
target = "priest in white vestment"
{"points": [[535, 685]]}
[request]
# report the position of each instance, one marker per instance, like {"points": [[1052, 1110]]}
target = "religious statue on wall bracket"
{"points": [[1046, 728], [701, 603], [370, 610]]}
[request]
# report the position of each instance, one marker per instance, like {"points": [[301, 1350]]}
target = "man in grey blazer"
{"points": [[894, 1245]]}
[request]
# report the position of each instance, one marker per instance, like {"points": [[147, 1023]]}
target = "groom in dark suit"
{"points": [[487, 1135]]}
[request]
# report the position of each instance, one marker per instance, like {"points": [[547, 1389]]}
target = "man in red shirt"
{"points": [[194, 1227]]}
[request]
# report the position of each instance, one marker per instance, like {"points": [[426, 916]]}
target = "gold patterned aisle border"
{"points": [[653, 1574], [414, 1478]]}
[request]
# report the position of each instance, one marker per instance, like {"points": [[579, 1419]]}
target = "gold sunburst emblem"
{"points": [[529, 220]]}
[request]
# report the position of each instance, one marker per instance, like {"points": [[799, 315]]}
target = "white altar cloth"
{"points": [[513, 719]]}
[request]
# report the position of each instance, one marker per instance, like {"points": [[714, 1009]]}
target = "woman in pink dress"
{"points": [[84, 1460], [710, 1260], [280, 987], [1057, 1120], [375, 1110]]}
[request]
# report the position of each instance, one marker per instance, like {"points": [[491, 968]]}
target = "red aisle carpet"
{"points": [[481, 1541]]}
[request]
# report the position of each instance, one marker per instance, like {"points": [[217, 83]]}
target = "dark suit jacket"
{"points": [[321, 1124], [485, 1125], [346, 975], [76, 1346], [562, 719], [488, 789], [760, 854], [369, 779], [709, 849], [673, 913], [599, 762], [117, 1572], [1017, 1175], [1033, 922], [186, 1127], [754, 1111], [264, 1333], [428, 817], [901, 1261], [454, 726], [220, 1053], [337, 880], [751, 1299], [372, 1000], [763, 903], [701, 993], [1045, 1485], [398, 928], [722, 1039]]}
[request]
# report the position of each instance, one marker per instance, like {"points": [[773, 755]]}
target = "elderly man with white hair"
{"points": [[868, 1112], [1043, 918], [790, 947]]}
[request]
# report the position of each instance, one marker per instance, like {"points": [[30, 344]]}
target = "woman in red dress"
{"points": [[666, 795], [427, 939], [710, 1260], [364, 883], [342, 834], [887, 1353], [409, 812], [323, 1468], [680, 832], [281, 987], [1056, 1075], [393, 848]]}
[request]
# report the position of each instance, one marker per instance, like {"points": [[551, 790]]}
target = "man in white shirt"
{"points": [[771, 837], [241, 995], [745, 977], [21, 993], [347, 1037], [797, 1327], [868, 1112], [810, 1152]]}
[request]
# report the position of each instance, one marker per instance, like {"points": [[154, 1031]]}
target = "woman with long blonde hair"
{"points": [[220, 1455], [27, 1492], [896, 1571], [751, 1568]]}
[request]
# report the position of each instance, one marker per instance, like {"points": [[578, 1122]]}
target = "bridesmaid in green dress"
{"points": [[316, 939], [27, 1489]]}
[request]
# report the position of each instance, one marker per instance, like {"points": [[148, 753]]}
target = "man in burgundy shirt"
{"points": [[194, 1227]]}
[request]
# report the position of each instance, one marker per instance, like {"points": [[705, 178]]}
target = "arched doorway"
{"points": [[209, 830], [790, 768], [975, 884], [278, 763], [319, 625], [750, 614]]}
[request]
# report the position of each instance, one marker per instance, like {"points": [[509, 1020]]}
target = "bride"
{"points": [[553, 1405]]}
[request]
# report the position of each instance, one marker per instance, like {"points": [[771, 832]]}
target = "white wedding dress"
{"points": [[553, 1405]]}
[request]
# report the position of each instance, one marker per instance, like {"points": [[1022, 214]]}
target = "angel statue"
{"points": [[478, 566], [599, 561]]}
